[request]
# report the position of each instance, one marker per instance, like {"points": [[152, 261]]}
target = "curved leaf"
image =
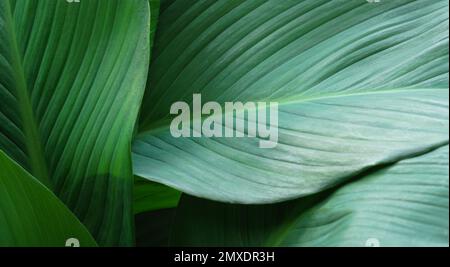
{"points": [[153, 228], [358, 84], [71, 81], [405, 204], [31, 215], [150, 196]]}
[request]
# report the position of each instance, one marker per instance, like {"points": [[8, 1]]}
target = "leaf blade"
{"points": [[84, 67], [299, 54], [403, 204], [31, 215]]}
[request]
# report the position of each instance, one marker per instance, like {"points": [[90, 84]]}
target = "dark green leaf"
{"points": [[153, 228], [31, 215], [71, 81], [359, 85], [150, 196]]}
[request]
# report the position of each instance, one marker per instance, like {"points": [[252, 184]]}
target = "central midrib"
{"points": [[32, 140]]}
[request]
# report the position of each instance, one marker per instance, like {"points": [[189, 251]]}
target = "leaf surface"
{"points": [[71, 82], [31, 215], [358, 85], [404, 204], [153, 228], [150, 196]]}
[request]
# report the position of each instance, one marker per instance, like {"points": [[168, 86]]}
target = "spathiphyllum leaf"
{"points": [[31, 215], [404, 204], [359, 85], [71, 81]]}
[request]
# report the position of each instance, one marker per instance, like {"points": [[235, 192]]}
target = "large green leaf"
{"points": [[150, 196], [405, 204], [31, 215], [359, 85], [154, 11], [71, 82]]}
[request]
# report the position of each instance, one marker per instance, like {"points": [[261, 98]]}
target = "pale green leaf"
{"points": [[153, 228], [404, 204], [359, 85]]}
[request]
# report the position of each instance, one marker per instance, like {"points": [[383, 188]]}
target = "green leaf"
{"points": [[31, 215], [154, 11], [153, 228], [358, 84], [205, 223], [71, 82], [404, 204], [150, 196]]}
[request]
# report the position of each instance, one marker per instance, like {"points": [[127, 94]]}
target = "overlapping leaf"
{"points": [[31, 215], [359, 85], [150, 196], [71, 81], [405, 204]]}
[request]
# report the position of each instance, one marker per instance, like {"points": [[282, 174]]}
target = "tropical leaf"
{"points": [[358, 85], [72, 79], [205, 223], [153, 228], [405, 204], [31, 215], [154, 11], [150, 196]]}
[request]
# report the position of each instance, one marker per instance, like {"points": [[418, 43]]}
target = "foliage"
{"points": [[86, 151]]}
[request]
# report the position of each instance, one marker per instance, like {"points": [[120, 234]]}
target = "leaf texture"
{"points": [[72, 79], [31, 215], [150, 196], [293, 49], [404, 204], [358, 84]]}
